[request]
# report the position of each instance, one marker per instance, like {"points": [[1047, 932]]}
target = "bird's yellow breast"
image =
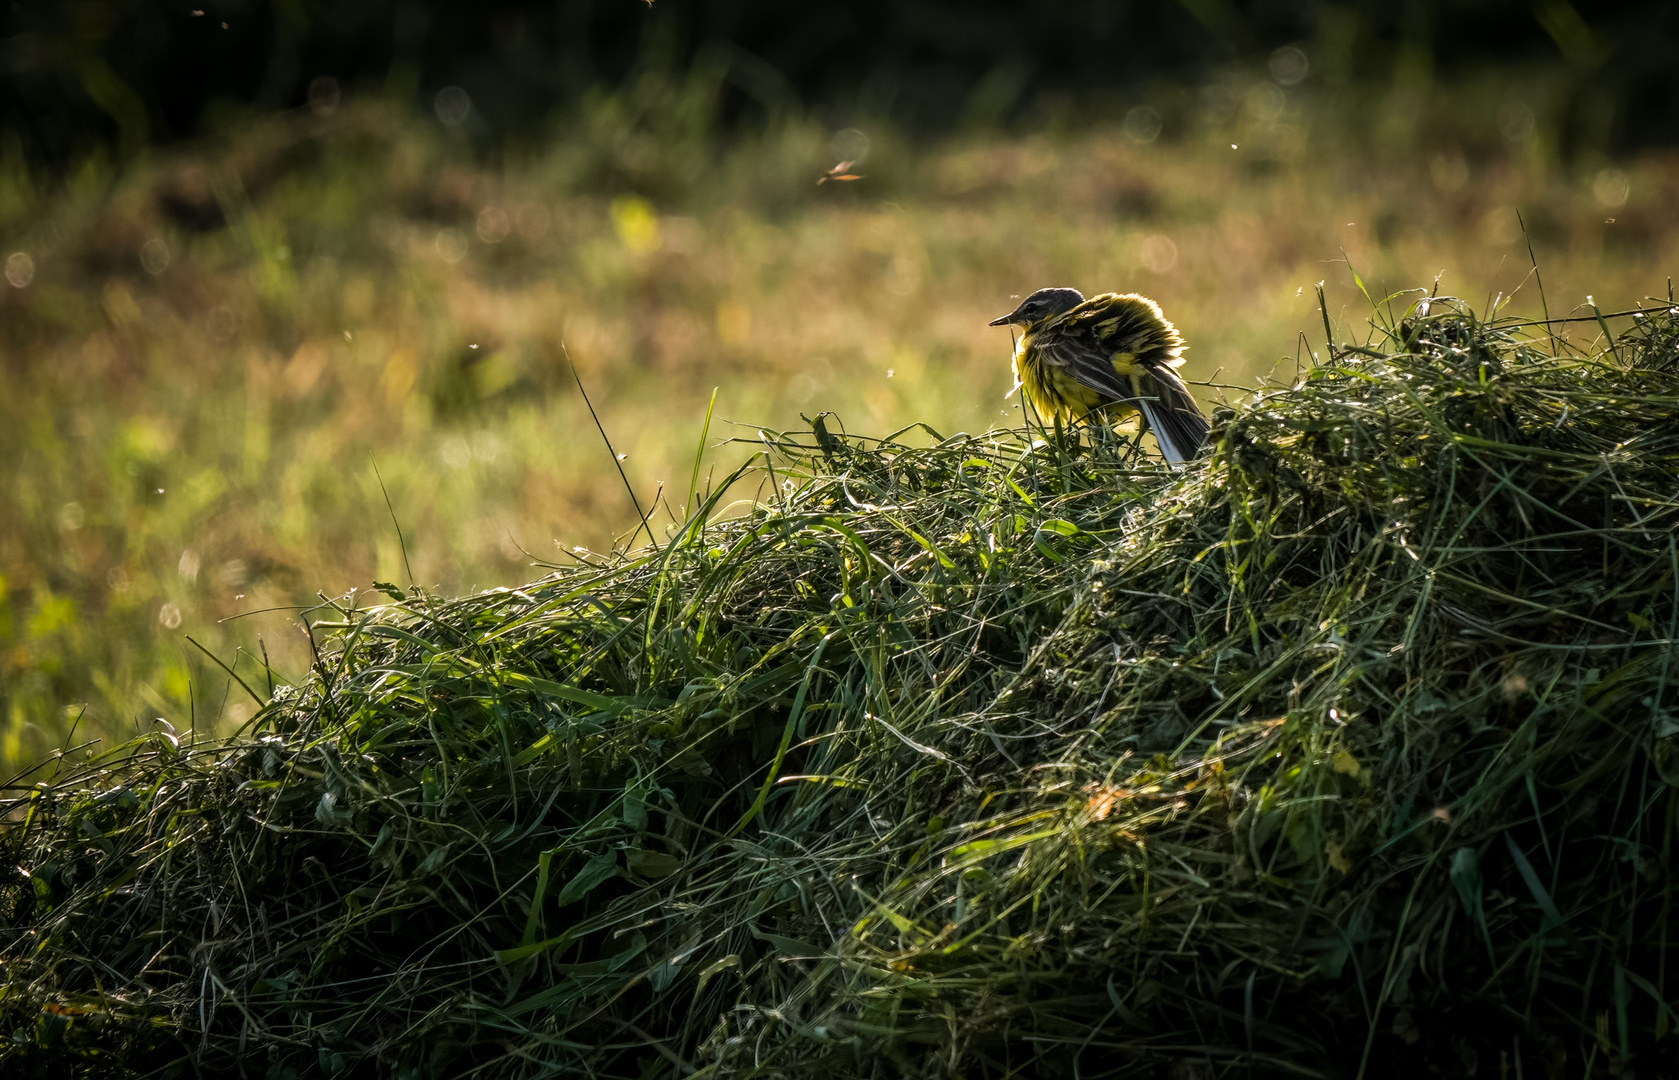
{"points": [[1054, 392]]}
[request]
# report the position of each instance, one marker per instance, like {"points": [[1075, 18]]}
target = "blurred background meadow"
{"points": [[285, 278]]}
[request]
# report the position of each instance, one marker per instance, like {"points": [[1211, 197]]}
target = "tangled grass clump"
{"points": [[1348, 750]]}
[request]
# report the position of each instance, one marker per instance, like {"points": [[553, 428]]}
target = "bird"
{"points": [[1114, 355]]}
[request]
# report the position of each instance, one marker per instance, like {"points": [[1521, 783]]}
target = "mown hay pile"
{"points": [[1350, 747]]}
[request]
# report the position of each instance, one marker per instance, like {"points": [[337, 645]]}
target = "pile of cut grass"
{"points": [[1347, 749]]}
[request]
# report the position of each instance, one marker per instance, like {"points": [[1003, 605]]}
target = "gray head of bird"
{"points": [[1039, 306]]}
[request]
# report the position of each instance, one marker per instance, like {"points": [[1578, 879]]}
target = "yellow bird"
{"points": [[1115, 354]]}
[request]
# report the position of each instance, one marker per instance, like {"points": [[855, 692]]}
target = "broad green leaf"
{"points": [[1551, 918], [651, 864], [984, 849], [786, 946], [595, 871], [634, 808]]}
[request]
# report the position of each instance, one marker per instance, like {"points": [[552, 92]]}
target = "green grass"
{"points": [[195, 444], [1349, 748]]}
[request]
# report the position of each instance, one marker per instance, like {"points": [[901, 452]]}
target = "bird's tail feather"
{"points": [[1177, 423]]}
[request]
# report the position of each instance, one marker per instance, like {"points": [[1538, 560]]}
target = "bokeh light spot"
{"points": [[1289, 66], [1158, 254], [850, 145], [154, 256], [1610, 188], [20, 269], [451, 245], [452, 106], [493, 225], [1142, 125]]}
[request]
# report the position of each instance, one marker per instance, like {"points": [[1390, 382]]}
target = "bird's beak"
{"points": [[1004, 320]]}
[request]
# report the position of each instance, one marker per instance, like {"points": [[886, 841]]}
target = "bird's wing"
{"points": [[1078, 356], [1156, 388]]}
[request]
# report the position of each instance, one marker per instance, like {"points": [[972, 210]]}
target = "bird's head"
{"points": [[1040, 306]]}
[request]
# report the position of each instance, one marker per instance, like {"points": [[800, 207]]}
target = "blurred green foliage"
{"points": [[126, 74], [207, 352]]}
